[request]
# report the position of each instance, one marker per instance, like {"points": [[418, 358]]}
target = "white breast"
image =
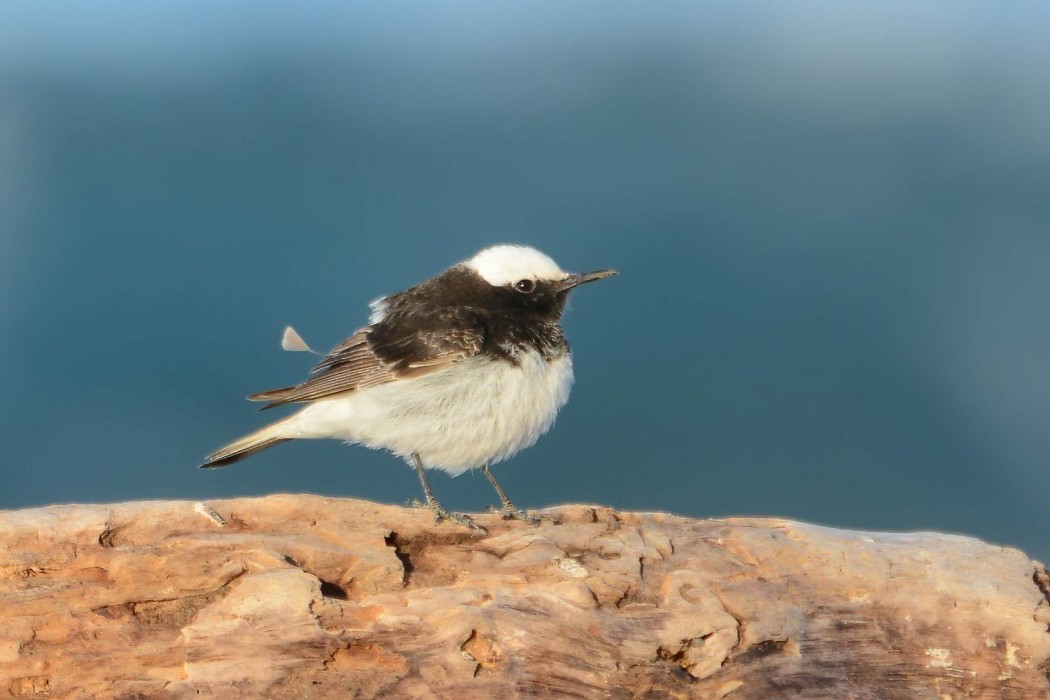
{"points": [[476, 412]]}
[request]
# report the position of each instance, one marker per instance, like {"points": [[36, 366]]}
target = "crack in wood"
{"points": [[401, 552]]}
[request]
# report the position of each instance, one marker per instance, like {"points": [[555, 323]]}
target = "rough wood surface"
{"points": [[309, 597]]}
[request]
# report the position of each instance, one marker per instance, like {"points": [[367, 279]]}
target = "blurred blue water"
{"points": [[830, 220]]}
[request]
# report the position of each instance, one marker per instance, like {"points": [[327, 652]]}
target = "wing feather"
{"points": [[400, 346]]}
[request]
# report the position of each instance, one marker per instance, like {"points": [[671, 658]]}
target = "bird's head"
{"points": [[524, 277]]}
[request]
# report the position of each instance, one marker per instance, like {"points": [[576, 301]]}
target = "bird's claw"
{"points": [[458, 518], [512, 513], [509, 512]]}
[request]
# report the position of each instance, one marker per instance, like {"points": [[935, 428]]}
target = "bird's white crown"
{"points": [[506, 264]]}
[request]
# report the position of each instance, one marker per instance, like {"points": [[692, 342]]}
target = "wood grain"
{"points": [[303, 596]]}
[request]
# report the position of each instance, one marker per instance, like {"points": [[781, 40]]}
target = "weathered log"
{"points": [[302, 596]]}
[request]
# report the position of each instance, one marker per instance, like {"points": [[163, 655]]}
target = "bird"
{"points": [[459, 372]]}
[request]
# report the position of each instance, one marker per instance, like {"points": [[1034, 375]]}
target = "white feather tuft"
{"points": [[293, 342], [379, 309]]}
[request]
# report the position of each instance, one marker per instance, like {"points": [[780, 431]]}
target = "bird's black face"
{"points": [[545, 299], [537, 298]]}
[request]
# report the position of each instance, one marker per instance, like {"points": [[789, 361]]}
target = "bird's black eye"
{"points": [[525, 286]]}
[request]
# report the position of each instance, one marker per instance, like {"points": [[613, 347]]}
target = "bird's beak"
{"points": [[576, 280]]}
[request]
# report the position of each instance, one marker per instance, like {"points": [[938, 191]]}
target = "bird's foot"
{"points": [[459, 518], [525, 516], [509, 512]]}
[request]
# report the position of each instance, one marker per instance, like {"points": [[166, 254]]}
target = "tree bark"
{"points": [[302, 596]]}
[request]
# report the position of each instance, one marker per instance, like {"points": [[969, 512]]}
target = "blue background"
{"points": [[831, 222]]}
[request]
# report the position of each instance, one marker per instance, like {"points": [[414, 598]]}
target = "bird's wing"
{"points": [[401, 346]]}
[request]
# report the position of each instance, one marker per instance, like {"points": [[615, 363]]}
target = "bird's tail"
{"points": [[272, 434]]}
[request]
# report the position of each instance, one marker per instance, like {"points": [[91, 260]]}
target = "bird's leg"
{"points": [[439, 511], [509, 510]]}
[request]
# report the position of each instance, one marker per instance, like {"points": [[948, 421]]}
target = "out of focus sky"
{"points": [[832, 222]]}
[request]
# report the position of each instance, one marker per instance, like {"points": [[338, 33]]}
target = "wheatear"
{"points": [[459, 372]]}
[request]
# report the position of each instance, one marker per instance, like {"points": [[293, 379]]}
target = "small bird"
{"points": [[459, 372]]}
